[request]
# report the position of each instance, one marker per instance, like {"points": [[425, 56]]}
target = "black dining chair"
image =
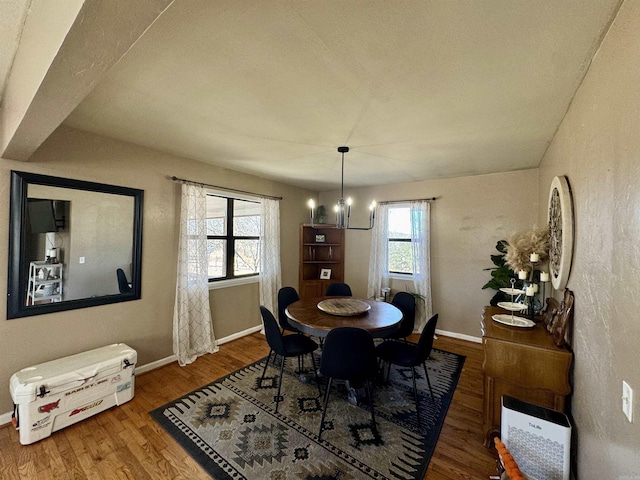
{"points": [[348, 354], [410, 355], [286, 346], [406, 303], [286, 296], [338, 290], [123, 283]]}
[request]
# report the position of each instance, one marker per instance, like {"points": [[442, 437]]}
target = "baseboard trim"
{"points": [[241, 334], [459, 336], [5, 418]]}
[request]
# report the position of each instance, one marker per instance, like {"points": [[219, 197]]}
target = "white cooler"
{"points": [[53, 395]]}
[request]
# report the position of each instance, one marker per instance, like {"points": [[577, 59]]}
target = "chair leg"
{"points": [[415, 392], [265, 366], [424, 365], [370, 398], [324, 409], [280, 383], [315, 372]]}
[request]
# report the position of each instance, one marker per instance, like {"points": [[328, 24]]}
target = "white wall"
{"points": [[598, 148]]}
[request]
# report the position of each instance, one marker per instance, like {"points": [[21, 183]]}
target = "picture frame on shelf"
{"points": [[325, 274], [321, 238]]}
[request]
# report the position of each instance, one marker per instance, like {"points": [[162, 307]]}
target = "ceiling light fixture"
{"points": [[342, 208]]}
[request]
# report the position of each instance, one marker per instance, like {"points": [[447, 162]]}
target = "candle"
{"points": [[534, 257], [522, 274], [544, 276], [536, 287], [312, 205], [529, 291]]}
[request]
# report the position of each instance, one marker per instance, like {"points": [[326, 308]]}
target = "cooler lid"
{"points": [[69, 372]]}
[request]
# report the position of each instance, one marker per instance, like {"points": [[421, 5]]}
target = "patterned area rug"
{"points": [[230, 426]]}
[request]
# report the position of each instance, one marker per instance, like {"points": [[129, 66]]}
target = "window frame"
{"points": [[390, 239], [230, 277]]}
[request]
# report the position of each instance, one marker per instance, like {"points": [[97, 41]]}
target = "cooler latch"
{"points": [[127, 363], [43, 391]]}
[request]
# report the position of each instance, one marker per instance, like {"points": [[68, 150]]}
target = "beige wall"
{"points": [[598, 148], [144, 324], [468, 218]]}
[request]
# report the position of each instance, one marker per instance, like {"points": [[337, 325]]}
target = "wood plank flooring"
{"points": [[126, 443]]}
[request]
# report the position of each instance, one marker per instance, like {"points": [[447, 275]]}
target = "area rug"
{"points": [[231, 428]]}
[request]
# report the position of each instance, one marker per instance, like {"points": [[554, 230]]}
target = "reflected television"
{"points": [[42, 218]]}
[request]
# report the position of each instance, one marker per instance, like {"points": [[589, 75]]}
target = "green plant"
{"points": [[322, 214], [501, 274]]}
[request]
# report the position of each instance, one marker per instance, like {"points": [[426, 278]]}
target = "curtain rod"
{"points": [[431, 199], [261, 195]]}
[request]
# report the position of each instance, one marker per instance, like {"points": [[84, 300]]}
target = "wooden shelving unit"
{"points": [[317, 255]]}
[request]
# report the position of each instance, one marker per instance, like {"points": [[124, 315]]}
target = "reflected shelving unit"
{"points": [[45, 283]]}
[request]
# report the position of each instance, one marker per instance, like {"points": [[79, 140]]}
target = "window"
{"points": [[399, 234], [233, 237]]}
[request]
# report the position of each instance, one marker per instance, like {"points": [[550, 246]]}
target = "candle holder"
{"points": [[531, 288]]}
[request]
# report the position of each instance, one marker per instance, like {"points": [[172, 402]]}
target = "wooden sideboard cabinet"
{"points": [[523, 363]]}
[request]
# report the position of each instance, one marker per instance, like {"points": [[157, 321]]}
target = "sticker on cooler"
{"points": [[48, 407], [85, 408]]}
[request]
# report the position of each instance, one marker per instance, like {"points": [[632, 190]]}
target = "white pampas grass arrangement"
{"points": [[521, 245]]}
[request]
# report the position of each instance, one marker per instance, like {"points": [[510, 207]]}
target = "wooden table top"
{"points": [[382, 319]]}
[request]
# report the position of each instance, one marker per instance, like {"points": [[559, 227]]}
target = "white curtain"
{"points": [[192, 327], [379, 256], [421, 245], [270, 275]]}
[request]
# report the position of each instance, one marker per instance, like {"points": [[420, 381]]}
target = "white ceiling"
{"points": [[417, 89]]}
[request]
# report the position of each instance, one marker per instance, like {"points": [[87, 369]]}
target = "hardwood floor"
{"points": [[125, 443]]}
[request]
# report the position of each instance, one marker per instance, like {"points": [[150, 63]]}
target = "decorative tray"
{"points": [[344, 307], [512, 291], [513, 321], [512, 306]]}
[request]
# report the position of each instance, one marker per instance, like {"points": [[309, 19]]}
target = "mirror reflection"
{"points": [[74, 244], [87, 234]]}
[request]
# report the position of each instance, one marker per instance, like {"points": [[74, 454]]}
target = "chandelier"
{"points": [[343, 208]]}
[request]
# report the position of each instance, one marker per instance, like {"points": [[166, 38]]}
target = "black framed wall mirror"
{"points": [[72, 244]]}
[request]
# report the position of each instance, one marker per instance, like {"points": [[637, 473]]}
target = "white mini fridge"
{"points": [[56, 394]]}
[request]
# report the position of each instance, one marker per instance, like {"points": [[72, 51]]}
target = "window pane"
{"points": [[216, 215], [399, 222], [216, 251], [247, 257], [246, 218], [400, 257]]}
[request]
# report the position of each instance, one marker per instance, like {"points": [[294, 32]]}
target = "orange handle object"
{"points": [[510, 465]]}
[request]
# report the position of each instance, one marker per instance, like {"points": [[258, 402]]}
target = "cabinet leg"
{"points": [[488, 439]]}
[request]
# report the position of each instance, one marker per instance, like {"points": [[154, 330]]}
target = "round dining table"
{"points": [[380, 319]]}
